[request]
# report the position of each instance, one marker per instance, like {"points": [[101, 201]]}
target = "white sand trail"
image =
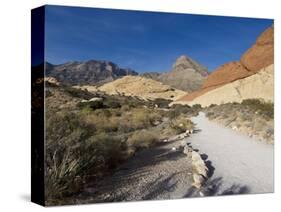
{"points": [[238, 164]]}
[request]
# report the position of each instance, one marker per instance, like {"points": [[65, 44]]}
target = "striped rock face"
{"points": [[256, 59], [261, 54]]}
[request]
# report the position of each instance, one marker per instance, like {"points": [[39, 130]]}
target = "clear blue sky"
{"points": [[146, 41]]}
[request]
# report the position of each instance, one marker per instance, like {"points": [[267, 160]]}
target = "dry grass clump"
{"points": [[75, 149], [181, 124], [142, 139], [178, 110]]}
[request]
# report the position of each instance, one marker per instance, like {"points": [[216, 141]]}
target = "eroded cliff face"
{"points": [[261, 54], [259, 57], [225, 74], [257, 86]]}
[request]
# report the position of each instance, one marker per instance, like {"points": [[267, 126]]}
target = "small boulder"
{"points": [[95, 99], [198, 164], [197, 180], [187, 150]]}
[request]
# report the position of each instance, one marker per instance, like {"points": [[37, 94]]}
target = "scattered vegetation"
{"points": [[142, 139], [253, 117], [261, 107], [179, 109], [88, 139]]}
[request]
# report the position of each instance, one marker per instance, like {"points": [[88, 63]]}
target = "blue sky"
{"points": [[146, 41]]}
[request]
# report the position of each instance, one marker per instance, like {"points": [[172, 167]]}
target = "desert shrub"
{"points": [[96, 105], [251, 102], [105, 104], [107, 113], [210, 115], [118, 113], [197, 107], [111, 103], [182, 109], [144, 118], [181, 124], [91, 104], [212, 105], [101, 122], [264, 108], [225, 116], [86, 110], [177, 110], [110, 147], [171, 114], [78, 93], [133, 102], [125, 125], [259, 124], [161, 103], [75, 147], [137, 118], [65, 134], [142, 139], [125, 108]]}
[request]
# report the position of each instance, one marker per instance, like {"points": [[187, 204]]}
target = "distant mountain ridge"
{"points": [[187, 74], [87, 73]]}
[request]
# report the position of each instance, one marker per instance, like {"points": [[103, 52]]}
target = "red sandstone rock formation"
{"points": [[259, 56]]}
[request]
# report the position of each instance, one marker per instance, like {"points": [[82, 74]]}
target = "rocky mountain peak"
{"points": [[183, 61], [186, 63]]}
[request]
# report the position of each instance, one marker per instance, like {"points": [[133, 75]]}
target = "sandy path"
{"points": [[155, 173], [238, 164]]}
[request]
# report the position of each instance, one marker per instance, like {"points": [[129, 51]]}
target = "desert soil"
{"points": [[237, 165], [156, 173]]}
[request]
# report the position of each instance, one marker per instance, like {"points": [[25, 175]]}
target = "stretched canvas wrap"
{"points": [[134, 105]]}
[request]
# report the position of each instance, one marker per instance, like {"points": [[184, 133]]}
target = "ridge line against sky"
{"points": [[146, 41]]}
